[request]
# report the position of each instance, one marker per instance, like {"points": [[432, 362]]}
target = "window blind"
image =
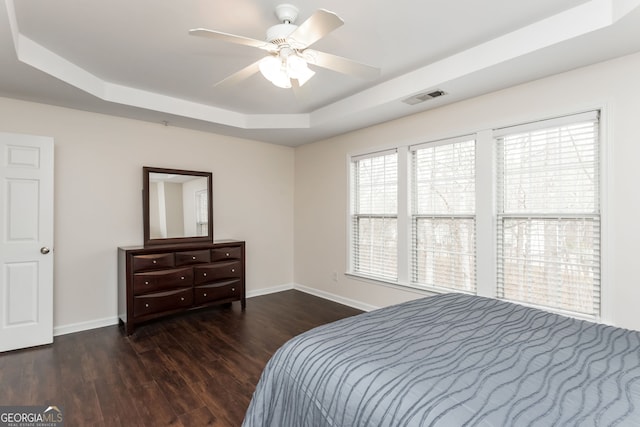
{"points": [[374, 215], [443, 214], [549, 215], [202, 213]]}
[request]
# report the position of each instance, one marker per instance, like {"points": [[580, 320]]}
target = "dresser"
{"points": [[161, 280]]}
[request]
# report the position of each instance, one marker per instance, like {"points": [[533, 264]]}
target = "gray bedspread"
{"points": [[453, 360]]}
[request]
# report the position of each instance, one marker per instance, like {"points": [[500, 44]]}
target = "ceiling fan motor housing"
{"points": [[287, 14], [279, 33]]}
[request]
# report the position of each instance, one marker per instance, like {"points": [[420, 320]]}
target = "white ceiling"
{"points": [[135, 58]]}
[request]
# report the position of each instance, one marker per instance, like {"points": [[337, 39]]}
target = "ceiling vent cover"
{"points": [[425, 96]]}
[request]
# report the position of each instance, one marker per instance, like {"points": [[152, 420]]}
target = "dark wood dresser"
{"points": [[161, 280]]}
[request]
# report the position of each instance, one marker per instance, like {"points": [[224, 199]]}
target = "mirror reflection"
{"points": [[178, 206]]}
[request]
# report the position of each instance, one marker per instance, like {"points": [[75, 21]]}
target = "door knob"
{"points": [[44, 250]]}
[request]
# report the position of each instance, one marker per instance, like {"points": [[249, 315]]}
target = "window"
{"points": [[548, 230], [374, 215], [443, 214], [202, 213], [512, 213]]}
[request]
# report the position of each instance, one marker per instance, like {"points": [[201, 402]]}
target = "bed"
{"points": [[452, 360]]}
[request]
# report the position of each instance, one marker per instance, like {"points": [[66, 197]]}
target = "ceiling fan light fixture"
{"points": [[295, 65], [274, 70], [297, 69], [280, 70], [282, 80]]}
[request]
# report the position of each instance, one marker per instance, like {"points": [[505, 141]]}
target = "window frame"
{"points": [[354, 218], [531, 217], [486, 213], [415, 216]]}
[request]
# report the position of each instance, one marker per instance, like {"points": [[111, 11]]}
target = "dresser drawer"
{"points": [[231, 252], [218, 291], [152, 281], [152, 261], [162, 301], [218, 271], [193, 257]]}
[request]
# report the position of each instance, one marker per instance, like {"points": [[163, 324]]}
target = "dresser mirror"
{"points": [[177, 206]]}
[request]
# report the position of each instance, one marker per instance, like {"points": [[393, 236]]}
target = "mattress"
{"points": [[453, 360]]}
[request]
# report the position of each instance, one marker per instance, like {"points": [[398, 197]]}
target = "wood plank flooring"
{"points": [[197, 369]]}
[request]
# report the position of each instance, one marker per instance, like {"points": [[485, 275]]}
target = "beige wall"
{"points": [[98, 199], [321, 177]]}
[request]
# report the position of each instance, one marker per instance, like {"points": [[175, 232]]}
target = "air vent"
{"points": [[425, 96]]}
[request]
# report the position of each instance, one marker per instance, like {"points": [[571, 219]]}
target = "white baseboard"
{"points": [[335, 298], [110, 321], [84, 326], [271, 290]]}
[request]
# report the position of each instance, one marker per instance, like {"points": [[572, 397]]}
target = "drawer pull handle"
{"points": [[146, 305], [182, 299], [193, 257], [182, 278], [205, 294], [204, 274], [146, 283], [233, 270], [227, 254], [155, 262], [233, 289]]}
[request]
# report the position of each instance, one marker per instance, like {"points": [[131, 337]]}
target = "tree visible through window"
{"points": [[374, 215], [548, 215], [531, 204], [443, 214]]}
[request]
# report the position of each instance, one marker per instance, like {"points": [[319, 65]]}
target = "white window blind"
{"points": [[374, 215], [548, 234], [202, 213], [443, 214]]}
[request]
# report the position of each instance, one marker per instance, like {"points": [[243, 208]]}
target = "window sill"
{"points": [[408, 287]]}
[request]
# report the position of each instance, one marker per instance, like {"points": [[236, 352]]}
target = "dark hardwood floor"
{"points": [[197, 369]]}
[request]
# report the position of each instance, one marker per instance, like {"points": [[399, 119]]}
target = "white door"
{"points": [[26, 241]]}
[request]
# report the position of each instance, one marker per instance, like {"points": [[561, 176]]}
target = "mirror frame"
{"points": [[146, 170]]}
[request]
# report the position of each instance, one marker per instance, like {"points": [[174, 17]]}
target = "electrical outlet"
{"points": [[334, 276]]}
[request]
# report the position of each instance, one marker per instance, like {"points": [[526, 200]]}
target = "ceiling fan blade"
{"points": [[302, 94], [342, 65], [318, 25], [239, 76], [232, 38]]}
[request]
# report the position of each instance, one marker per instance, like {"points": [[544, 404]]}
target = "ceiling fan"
{"points": [[288, 50]]}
